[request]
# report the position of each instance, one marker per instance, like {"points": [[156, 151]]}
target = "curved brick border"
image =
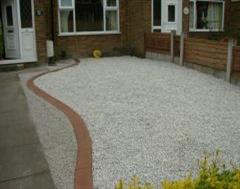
{"points": [[83, 171]]}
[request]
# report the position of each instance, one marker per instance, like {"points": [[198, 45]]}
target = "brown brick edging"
{"points": [[83, 171]]}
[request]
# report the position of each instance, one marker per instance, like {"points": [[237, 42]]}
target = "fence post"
{"points": [[229, 60], [172, 45], [182, 49]]}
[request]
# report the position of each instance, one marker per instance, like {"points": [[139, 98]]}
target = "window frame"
{"points": [[75, 32], [153, 26], [66, 7], [194, 29]]}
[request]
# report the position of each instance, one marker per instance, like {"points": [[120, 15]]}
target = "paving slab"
{"points": [[22, 160], [38, 181], [20, 119]]}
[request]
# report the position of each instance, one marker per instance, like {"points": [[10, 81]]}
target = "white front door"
{"points": [[27, 30], [171, 15], [11, 29]]}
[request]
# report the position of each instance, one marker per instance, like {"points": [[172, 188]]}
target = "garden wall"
{"points": [[204, 52]]}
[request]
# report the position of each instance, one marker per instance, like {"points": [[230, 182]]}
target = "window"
{"points": [[9, 15], [111, 17], [66, 21], [111, 3], [26, 13], [206, 15], [171, 13], [88, 16], [66, 3], [156, 14]]}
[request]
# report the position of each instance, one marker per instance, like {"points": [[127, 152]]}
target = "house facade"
{"points": [[116, 27]]}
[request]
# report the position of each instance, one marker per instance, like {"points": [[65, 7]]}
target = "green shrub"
{"points": [[133, 184], [210, 176]]}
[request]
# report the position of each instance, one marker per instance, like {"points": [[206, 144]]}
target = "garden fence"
{"points": [[236, 58], [218, 55]]}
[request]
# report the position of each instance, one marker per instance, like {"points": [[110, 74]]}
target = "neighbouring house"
{"points": [[116, 27]]}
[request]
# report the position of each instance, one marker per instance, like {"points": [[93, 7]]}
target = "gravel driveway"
{"points": [[149, 118]]}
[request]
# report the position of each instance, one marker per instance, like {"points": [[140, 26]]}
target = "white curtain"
{"points": [[64, 20], [214, 16], [191, 15], [111, 20]]}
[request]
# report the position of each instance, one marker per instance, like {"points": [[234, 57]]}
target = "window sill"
{"points": [[205, 30], [88, 33]]}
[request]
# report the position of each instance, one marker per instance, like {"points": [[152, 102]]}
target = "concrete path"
{"points": [[22, 161]]}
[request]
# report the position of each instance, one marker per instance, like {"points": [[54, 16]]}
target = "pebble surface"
{"points": [[149, 118]]}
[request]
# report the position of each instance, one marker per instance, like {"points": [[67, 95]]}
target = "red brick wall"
{"points": [[82, 46], [185, 18], [42, 28], [235, 17], [204, 52], [138, 22], [135, 20]]}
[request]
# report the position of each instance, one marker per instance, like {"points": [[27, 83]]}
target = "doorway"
{"points": [[17, 34], [172, 15]]}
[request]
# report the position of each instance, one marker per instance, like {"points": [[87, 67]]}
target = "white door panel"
{"points": [[11, 29], [27, 30], [28, 45], [19, 29], [171, 15], [10, 45]]}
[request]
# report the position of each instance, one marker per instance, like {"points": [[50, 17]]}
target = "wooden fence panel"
{"points": [[157, 43], [204, 52], [236, 58], [177, 46]]}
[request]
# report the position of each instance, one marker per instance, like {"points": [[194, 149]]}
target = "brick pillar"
{"points": [[185, 18], [227, 16]]}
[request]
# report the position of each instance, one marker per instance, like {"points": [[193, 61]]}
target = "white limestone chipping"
{"points": [[149, 118]]}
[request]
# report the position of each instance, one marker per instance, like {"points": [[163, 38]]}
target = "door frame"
{"points": [[163, 14], [10, 30], [22, 60], [178, 15]]}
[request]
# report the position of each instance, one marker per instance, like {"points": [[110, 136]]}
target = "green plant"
{"points": [[133, 184], [211, 175]]}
